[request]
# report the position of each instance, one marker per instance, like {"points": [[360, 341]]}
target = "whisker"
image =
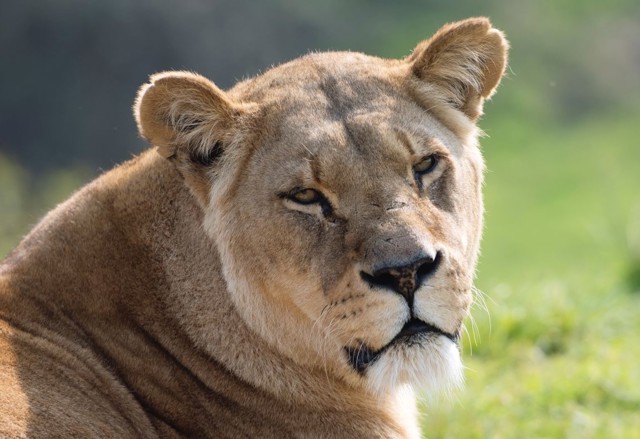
{"points": [[480, 298], [466, 333]]}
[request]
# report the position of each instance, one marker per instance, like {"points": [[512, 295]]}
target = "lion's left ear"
{"points": [[190, 121], [465, 61], [183, 111]]}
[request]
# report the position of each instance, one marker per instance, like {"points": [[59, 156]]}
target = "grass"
{"points": [[558, 352]]}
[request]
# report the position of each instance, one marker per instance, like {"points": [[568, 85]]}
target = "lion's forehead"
{"points": [[371, 130], [334, 80], [338, 152], [364, 143], [336, 102]]}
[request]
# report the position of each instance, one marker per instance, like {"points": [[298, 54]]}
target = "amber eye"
{"points": [[426, 165], [308, 197], [305, 196]]}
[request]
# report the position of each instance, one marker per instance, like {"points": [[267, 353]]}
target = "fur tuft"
{"points": [[436, 367]]}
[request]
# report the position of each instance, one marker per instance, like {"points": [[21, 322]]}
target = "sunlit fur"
{"points": [[435, 367]]}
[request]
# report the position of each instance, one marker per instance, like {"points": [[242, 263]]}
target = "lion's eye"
{"points": [[305, 196], [426, 165], [311, 198]]}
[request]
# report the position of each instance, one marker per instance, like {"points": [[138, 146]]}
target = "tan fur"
{"points": [[186, 294]]}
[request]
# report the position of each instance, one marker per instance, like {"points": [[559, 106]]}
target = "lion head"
{"points": [[343, 194]]}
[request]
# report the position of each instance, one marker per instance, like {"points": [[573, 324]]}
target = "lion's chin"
{"points": [[431, 363]]}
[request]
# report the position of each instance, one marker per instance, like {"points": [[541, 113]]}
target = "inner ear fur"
{"points": [[185, 112], [191, 122], [464, 61]]}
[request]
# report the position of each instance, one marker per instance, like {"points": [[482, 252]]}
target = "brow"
{"points": [[404, 140], [313, 166], [316, 172]]}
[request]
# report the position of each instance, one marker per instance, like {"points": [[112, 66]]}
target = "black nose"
{"points": [[405, 279]]}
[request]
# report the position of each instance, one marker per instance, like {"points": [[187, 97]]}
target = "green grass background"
{"points": [[553, 350], [556, 352]]}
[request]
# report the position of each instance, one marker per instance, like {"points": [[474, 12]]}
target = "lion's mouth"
{"points": [[413, 332]]}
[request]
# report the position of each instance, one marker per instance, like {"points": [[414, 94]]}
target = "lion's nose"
{"points": [[405, 279]]}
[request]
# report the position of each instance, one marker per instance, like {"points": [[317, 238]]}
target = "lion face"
{"points": [[343, 193]]}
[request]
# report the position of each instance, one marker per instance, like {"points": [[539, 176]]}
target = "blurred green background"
{"points": [[553, 348]]}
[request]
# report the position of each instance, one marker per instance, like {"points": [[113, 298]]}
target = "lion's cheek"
{"points": [[288, 278]]}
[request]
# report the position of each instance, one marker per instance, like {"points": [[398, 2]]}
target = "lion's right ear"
{"points": [[185, 112], [464, 62]]}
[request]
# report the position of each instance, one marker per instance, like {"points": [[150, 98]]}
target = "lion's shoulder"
{"points": [[51, 388]]}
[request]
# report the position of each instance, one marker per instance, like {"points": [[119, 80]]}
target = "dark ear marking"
{"points": [[186, 125], [208, 157]]}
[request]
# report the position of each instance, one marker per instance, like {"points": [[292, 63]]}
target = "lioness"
{"points": [[290, 259]]}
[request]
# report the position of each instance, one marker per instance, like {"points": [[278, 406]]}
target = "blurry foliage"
{"points": [[555, 352], [24, 199], [633, 245], [13, 196], [72, 67]]}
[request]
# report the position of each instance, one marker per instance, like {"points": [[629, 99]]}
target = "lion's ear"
{"points": [[191, 122], [185, 112], [465, 61]]}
